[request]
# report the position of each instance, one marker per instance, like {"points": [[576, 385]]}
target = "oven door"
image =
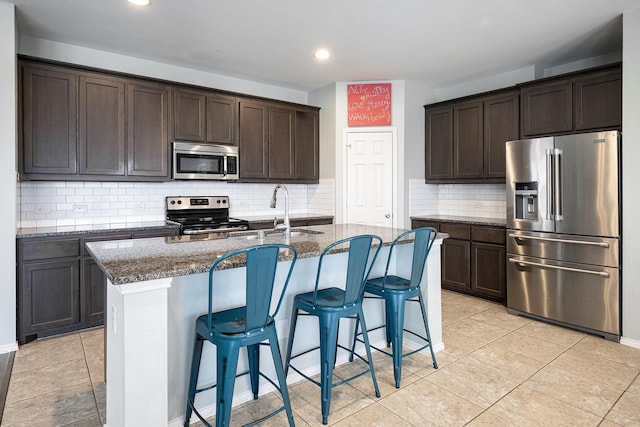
{"points": [[204, 161]]}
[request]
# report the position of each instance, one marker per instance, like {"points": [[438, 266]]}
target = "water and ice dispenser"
{"points": [[526, 202]]}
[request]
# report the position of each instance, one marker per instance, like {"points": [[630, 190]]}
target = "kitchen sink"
{"points": [[256, 234]]}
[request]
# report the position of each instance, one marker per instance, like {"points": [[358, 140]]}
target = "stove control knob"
{"points": [[179, 202], [218, 201], [173, 202], [224, 201]]}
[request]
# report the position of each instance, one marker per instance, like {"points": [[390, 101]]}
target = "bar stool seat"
{"points": [[246, 326], [396, 291], [330, 305]]}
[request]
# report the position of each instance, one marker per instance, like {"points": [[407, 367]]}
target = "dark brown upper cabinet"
{"points": [[501, 124], [281, 143], [203, 116], [307, 123], [147, 129], [597, 100], [577, 102], [438, 143], [83, 125], [253, 143], [49, 125], [547, 108], [465, 138], [101, 126], [278, 142], [468, 140]]}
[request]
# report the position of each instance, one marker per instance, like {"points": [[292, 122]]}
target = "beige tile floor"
{"points": [[496, 370]]}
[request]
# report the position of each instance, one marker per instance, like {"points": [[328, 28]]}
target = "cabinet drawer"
{"points": [[46, 249], [489, 235], [419, 223], [456, 231]]}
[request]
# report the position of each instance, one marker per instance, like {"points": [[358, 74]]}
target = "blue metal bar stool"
{"points": [[246, 326], [396, 291], [332, 304]]}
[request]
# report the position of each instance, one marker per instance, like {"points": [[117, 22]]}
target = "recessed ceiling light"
{"points": [[321, 54], [140, 2]]}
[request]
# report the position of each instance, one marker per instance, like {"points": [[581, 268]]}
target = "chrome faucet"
{"points": [[287, 224]]}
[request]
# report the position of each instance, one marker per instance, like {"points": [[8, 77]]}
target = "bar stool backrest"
{"points": [[359, 264], [423, 239], [261, 266]]}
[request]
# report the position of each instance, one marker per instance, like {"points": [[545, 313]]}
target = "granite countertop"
{"points": [[129, 261], [473, 220], [89, 228]]}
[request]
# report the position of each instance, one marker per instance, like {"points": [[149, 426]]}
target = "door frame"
{"points": [[394, 166]]}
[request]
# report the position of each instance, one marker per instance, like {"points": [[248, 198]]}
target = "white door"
{"points": [[369, 189]]}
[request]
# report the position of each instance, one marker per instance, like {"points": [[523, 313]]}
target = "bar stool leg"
{"points": [[395, 317], [227, 365], [367, 347], [426, 327], [328, 347], [282, 378], [292, 330], [193, 378], [253, 354]]}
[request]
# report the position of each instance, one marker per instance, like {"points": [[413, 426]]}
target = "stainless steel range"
{"points": [[202, 215]]}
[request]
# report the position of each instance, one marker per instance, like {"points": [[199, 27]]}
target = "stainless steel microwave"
{"points": [[205, 161]]}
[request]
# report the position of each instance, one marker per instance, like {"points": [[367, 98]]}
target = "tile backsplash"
{"points": [[479, 200], [70, 203]]}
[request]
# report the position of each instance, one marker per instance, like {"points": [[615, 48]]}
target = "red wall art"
{"points": [[369, 104]]}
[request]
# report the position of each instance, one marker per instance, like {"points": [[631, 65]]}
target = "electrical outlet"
{"points": [[43, 209], [80, 208]]}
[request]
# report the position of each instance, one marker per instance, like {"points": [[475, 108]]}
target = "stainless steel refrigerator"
{"points": [[563, 230]]}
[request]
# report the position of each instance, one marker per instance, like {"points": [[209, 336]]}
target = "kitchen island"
{"points": [[157, 287]]}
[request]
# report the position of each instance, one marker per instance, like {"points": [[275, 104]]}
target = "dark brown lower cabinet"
{"points": [[473, 258], [60, 287]]}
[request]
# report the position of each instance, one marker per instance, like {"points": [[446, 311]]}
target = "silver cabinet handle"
{"points": [[548, 239], [556, 267]]}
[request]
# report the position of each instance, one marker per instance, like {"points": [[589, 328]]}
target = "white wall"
{"points": [[8, 177], [631, 177]]}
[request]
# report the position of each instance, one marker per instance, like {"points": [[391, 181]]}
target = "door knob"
{"points": [[387, 216]]}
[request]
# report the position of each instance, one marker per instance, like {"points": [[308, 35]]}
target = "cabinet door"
{"points": [[147, 130], [547, 108], [501, 124], [307, 146], [488, 270], [253, 140], [221, 119], [49, 296], [49, 125], [94, 284], [467, 140], [281, 148], [438, 144], [101, 126], [455, 264], [598, 101], [189, 111]]}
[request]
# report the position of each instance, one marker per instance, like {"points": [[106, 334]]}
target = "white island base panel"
{"points": [[150, 334]]}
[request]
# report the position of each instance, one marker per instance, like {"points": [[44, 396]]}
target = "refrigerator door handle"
{"points": [[549, 169], [557, 185], [548, 239], [557, 267]]}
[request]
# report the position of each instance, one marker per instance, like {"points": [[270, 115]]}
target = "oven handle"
{"points": [[216, 230], [547, 239], [556, 267]]}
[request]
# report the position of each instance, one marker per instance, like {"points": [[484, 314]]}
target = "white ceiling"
{"points": [[436, 43]]}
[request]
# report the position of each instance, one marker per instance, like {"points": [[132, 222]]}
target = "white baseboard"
{"points": [[9, 348], [630, 342]]}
